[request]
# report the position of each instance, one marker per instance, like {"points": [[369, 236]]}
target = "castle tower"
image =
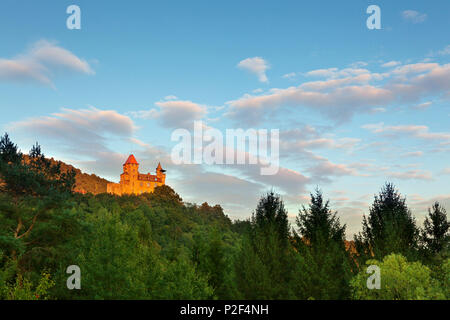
{"points": [[160, 173], [131, 168], [130, 174]]}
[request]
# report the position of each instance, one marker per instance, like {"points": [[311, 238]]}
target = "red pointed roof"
{"points": [[159, 168], [131, 160]]}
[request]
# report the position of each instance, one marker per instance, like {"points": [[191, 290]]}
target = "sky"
{"points": [[355, 107]]}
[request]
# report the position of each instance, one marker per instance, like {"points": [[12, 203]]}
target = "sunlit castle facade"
{"points": [[133, 182]]}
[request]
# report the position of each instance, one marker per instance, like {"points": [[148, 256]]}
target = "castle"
{"points": [[133, 182]]}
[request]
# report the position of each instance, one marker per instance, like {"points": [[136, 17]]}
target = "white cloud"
{"points": [[339, 104], [346, 92], [417, 131], [290, 75], [174, 113], [257, 66], [83, 135], [444, 51], [414, 16], [378, 110], [171, 97], [332, 73], [40, 63], [391, 64], [413, 154], [422, 106], [322, 171], [415, 68], [358, 64], [295, 140], [412, 175]]}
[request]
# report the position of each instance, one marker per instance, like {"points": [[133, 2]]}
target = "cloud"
{"points": [[339, 104], [445, 51], [171, 97], [358, 64], [236, 195], [413, 154], [83, 132], [415, 68], [346, 92], [412, 175], [324, 170], [378, 110], [290, 75], [333, 73], [422, 106], [391, 64], [414, 16], [41, 63], [174, 113], [417, 131], [419, 206], [295, 140], [257, 66]]}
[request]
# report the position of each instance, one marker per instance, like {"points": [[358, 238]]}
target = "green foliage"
{"points": [[9, 152], [266, 264], [400, 280], [213, 254], [321, 243], [436, 236], [23, 289], [156, 246], [389, 228]]}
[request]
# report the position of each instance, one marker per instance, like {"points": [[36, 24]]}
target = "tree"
{"points": [[265, 265], [34, 214], [9, 152], [212, 256], [318, 223], [22, 289], [271, 215], [33, 175], [389, 228], [400, 280], [320, 240], [435, 234]]}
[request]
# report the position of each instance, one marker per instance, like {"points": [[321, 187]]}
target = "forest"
{"points": [[156, 246]]}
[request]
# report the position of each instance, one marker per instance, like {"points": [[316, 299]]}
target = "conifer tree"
{"points": [[271, 214], [9, 152], [266, 264], [436, 234], [320, 240], [389, 227]]}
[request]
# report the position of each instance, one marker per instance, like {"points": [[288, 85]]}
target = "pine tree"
{"points": [[318, 222], [266, 264], [271, 214], [26, 180], [9, 152], [320, 240], [436, 235], [389, 228]]}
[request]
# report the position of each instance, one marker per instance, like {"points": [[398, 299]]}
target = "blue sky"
{"points": [[355, 107]]}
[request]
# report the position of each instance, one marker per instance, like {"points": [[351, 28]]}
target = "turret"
{"points": [[131, 166], [160, 173]]}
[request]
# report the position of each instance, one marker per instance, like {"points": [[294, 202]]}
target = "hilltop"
{"points": [[84, 182]]}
